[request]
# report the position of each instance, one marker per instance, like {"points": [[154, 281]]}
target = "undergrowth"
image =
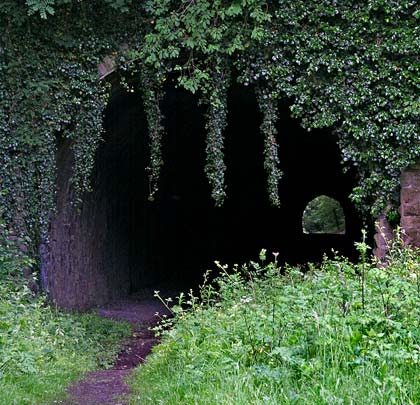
{"points": [[340, 333], [42, 350]]}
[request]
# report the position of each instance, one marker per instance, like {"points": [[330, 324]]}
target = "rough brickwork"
{"points": [[81, 266], [410, 205]]}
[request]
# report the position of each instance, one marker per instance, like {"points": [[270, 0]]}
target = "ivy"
{"points": [[268, 107], [50, 91], [216, 123], [352, 66], [152, 96]]}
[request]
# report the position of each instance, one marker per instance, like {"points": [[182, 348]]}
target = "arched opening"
{"points": [[120, 242], [324, 215]]}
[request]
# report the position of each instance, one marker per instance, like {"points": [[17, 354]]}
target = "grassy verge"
{"points": [[341, 333], [42, 350]]}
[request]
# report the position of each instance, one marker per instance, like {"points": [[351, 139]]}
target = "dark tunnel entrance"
{"points": [[118, 242], [174, 239]]}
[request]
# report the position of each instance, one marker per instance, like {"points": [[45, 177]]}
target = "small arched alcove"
{"points": [[119, 242], [324, 215]]}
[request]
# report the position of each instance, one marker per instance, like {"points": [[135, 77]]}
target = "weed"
{"points": [[340, 333], [42, 350]]}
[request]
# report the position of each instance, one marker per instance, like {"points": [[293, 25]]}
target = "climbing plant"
{"points": [[352, 66], [50, 94]]}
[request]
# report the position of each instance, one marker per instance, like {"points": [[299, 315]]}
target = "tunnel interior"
{"points": [[173, 240]]}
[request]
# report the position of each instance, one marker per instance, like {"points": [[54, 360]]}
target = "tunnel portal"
{"points": [[120, 242]]}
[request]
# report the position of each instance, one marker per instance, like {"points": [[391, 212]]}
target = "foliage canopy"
{"points": [[351, 65]]}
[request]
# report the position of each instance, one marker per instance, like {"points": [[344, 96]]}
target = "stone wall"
{"points": [[81, 265], [410, 204], [96, 252], [409, 211]]}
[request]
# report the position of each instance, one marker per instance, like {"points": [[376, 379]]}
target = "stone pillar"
{"points": [[410, 205], [84, 264]]}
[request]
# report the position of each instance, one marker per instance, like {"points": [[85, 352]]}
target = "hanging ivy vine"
{"points": [[268, 107], [352, 66], [152, 93], [216, 123]]}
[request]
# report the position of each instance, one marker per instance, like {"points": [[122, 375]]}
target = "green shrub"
{"points": [[339, 333]]}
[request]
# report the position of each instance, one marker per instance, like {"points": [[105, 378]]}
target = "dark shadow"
{"points": [[117, 242], [174, 239]]}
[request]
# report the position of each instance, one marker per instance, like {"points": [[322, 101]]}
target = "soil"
{"points": [[108, 387]]}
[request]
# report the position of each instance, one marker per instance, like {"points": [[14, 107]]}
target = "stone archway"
{"points": [[119, 242]]}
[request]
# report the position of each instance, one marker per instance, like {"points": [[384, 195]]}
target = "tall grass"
{"points": [[43, 350], [340, 333]]}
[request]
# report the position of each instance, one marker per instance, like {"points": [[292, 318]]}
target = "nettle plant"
{"points": [[352, 66]]}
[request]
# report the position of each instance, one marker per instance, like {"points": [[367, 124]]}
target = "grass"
{"points": [[43, 350], [340, 333]]}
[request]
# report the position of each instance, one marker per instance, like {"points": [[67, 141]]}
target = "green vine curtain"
{"points": [[350, 65]]}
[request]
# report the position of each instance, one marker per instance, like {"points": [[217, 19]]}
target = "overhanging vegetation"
{"points": [[351, 66]]}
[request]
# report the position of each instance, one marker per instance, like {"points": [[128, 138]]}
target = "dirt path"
{"points": [[108, 387]]}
